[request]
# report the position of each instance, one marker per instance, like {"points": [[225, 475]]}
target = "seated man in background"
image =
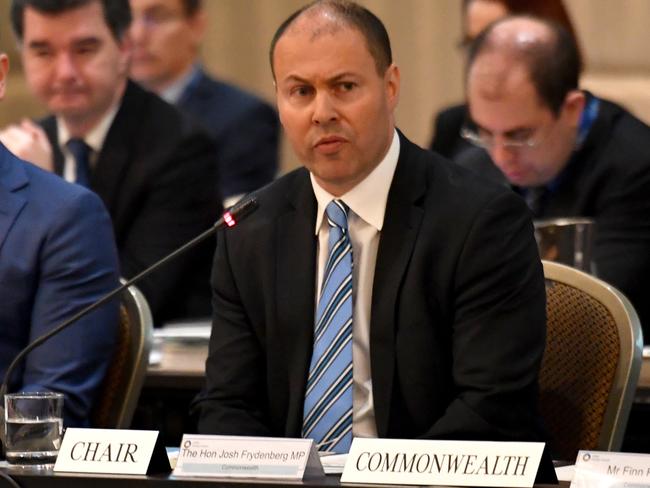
{"points": [[151, 166], [477, 15], [432, 301], [57, 256], [167, 36], [567, 152]]}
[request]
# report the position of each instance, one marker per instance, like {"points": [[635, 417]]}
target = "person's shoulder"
{"points": [[448, 189], [441, 171], [618, 144], [622, 121], [149, 107], [229, 93], [158, 126], [283, 192], [222, 100], [452, 116]]}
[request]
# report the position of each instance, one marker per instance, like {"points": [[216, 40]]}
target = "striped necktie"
{"points": [[81, 153], [328, 399]]}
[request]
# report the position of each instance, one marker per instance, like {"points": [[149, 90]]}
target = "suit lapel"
{"points": [[50, 128], [398, 236], [113, 159], [12, 178], [295, 287]]}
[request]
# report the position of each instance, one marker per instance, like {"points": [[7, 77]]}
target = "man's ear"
{"points": [[392, 84], [574, 104]]}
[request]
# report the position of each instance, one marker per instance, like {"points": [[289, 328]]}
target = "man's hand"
{"points": [[29, 142]]}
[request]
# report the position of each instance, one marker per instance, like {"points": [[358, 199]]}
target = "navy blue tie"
{"points": [[81, 153], [327, 415]]}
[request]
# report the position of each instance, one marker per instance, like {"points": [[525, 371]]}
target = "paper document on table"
{"points": [[333, 463], [195, 330]]}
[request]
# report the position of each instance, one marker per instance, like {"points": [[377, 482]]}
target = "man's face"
{"points": [[526, 140], [72, 61], [336, 109], [165, 41]]}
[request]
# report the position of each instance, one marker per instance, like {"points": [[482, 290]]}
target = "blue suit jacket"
{"points": [[244, 128], [57, 255]]}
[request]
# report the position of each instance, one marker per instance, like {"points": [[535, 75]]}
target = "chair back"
{"points": [[121, 387], [591, 364]]}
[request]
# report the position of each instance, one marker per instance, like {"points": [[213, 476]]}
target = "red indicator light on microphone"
{"points": [[228, 219]]}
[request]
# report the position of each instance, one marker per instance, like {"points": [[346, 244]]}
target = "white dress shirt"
{"points": [[95, 139], [367, 203]]}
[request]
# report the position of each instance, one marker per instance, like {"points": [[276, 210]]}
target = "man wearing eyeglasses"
{"points": [[567, 152]]}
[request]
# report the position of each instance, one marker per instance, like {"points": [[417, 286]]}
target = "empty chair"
{"points": [[591, 364], [121, 388]]}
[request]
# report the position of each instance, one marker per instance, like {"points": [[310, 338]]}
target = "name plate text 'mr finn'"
{"points": [[456, 463]]}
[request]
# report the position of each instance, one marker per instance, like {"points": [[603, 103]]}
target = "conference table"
{"points": [[181, 366], [36, 479]]}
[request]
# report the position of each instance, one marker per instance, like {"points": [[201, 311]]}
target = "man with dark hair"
{"points": [[57, 256], [167, 36], [381, 290], [567, 152], [151, 166]]}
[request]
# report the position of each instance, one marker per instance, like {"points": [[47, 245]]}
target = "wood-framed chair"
{"points": [[125, 376], [591, 364]]}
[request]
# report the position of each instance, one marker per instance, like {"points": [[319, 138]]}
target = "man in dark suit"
{"points": [[57, 256], [167, 36], [444, 291], [567, 152], [151, 166]]}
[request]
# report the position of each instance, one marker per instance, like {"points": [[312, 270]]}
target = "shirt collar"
{"points": [[173, 93], [95, 137], [368, 198]]}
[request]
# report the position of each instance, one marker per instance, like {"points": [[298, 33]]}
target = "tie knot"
{"points": [[78, 148], [337, 214]]}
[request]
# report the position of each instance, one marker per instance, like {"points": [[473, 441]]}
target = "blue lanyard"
{"points": [[587, 118]]}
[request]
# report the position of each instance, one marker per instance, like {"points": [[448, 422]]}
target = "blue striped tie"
{"points": [[328, 399]]}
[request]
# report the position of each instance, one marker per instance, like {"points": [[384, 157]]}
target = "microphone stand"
{"points": [[229, 219]]}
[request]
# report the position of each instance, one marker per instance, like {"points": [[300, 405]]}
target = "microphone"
{"points": [[230, 218]]}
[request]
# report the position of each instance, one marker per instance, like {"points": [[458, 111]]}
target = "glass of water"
{"points": [[33, 428]]}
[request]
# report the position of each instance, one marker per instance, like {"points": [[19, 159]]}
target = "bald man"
{"points": [[566, 151], [380, 291]]}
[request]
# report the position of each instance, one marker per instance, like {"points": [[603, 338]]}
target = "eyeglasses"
{"points": [[525, 140], [156, 18]]}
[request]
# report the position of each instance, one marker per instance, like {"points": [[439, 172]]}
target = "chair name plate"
{"points": [[112, 451], [429, 462], [608, 469], [247, 457]]}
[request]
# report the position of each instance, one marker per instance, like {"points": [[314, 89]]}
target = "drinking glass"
{"points": [[33, 428]]}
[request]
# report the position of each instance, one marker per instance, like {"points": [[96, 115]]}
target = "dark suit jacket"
{"points": [[458, 310], [244, 128], [155, 174], [57, 256], [608, 179]]}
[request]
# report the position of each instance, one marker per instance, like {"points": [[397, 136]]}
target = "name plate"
{"points": [[427, 462], [112, 451], [247, 457], [605, 469]]}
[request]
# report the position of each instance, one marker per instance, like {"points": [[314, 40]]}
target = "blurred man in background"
{"points": [[153, 168], [167, 36], [566, 151]]}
